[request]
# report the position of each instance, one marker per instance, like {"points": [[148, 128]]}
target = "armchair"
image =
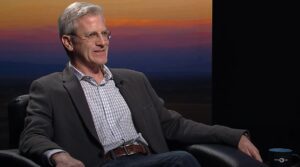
{"points": [[209, 155]]}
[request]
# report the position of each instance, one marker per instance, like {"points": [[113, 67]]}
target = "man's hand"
{"points": [[63, 159], [246, 146]]}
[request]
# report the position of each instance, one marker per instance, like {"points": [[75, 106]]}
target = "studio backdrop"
{"points": [[170, 41]]}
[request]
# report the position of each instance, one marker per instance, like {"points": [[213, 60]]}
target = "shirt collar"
{"points": [[80, 75]]}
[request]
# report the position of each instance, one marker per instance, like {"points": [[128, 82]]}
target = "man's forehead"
{"points": [[90, 23]]}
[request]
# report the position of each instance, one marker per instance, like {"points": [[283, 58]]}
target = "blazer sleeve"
{"points": [[177, 128], [36, 136]]}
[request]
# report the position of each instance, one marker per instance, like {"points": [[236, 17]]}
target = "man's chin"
{"points": [[100, 63]]}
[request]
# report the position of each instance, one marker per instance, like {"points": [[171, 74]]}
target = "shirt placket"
{"points": [[109, 114]]}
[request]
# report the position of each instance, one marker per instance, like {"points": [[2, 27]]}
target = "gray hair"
{"points": [[74, 11]]}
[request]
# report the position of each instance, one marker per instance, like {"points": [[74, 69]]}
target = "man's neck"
{"points": [[95, 71]]}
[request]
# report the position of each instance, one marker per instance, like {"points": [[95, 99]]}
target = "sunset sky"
{"points": [[170, 36]]}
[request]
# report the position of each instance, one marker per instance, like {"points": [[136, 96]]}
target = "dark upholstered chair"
{"points": [[209, 155]]}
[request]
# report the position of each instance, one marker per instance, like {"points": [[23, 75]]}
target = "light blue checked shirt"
{"points": [[111, 114]]}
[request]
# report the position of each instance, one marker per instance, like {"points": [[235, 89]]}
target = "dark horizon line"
{"points": [[33, 70]]}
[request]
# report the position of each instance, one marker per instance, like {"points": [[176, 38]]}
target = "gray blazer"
{"points": [[58, 117]]}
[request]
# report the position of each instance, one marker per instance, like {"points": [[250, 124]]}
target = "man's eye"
{"points": [[92, 35], [105, 33]]}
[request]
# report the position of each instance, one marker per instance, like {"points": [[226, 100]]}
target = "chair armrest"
{"points": [[13, 158], [215, 155]]}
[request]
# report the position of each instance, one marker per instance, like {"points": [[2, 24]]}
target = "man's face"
{"points": [[90, 42]]}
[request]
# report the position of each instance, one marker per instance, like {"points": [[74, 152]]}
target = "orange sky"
{"points": [[39, 13], [178, 33]]}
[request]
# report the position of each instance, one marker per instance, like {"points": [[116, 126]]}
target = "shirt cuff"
{"points": [[49, 154]]}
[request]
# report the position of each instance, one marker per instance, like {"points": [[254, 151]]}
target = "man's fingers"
{"points": [[255, 154], [246, 151], [246, 146]]}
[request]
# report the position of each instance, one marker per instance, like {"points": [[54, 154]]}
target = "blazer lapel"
{"points": [[76, 93], [137, 106], [131, 100]]}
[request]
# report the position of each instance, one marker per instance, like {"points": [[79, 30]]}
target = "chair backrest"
{"points": [[16, 115]]}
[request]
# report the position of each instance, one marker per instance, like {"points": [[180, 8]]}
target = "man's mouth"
{"points": [[99, 50]]}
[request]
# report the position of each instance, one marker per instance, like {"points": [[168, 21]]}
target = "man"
{"points": [[91, 115]]}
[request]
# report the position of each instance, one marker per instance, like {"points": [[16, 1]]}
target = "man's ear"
{"points": [[67, 42]]}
